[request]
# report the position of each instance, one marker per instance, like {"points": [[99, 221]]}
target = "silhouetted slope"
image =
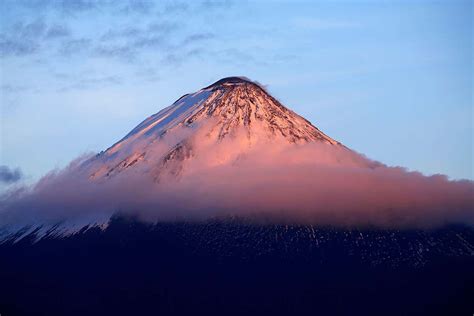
{"points": [[231, 267]]}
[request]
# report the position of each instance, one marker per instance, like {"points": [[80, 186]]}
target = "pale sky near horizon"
{"points": [[389, 79]]}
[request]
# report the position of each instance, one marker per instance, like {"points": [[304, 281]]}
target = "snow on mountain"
{"points": [[232, 108]]}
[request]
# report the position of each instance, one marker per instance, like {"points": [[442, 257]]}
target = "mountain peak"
{"points": [[232, 108]]}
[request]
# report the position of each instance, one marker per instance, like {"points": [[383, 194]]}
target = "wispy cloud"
{"points": [[11, 88], [125, 7], [126, 32], [130, 41], [123, 52], [58, 30], [22, 39], [11, 47], [127, 43], [77, 5], [176, 6], [83, 82], [70, 47], [8, 175], [62, 6], [197, 37], [216, 4], [164, 30], [138, 6]]}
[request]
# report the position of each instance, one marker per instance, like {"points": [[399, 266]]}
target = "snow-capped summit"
{"points": [[232, 109], [235, 102]]}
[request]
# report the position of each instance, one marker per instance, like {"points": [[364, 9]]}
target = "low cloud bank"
{"points": [[308, 184]]}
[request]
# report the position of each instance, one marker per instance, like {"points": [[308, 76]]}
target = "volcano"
{"points": [[233, 111]]}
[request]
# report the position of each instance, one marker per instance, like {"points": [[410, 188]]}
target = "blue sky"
{"points": [[390, 79]]}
